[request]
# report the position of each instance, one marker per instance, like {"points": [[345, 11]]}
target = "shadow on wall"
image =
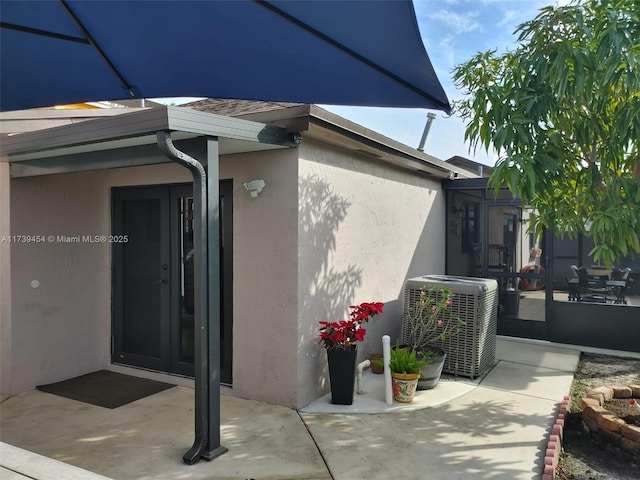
{"points": [[325, 291], [427, 258]]}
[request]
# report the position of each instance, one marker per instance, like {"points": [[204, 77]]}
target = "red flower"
{"points": [[338, 336], [376, 308], [343, 334]]}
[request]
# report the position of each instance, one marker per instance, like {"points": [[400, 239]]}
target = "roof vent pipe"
{"points": [[430, 118]]}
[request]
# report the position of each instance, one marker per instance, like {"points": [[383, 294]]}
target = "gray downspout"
{"points": [[207, 420]]}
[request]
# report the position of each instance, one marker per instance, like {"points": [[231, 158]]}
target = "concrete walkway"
{"points": [[493, 428]]}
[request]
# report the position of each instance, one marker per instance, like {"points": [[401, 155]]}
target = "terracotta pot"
{"points": [[404, 386], [376, 368]]}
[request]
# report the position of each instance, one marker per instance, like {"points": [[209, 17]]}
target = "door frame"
{"points": [[170, 303]]}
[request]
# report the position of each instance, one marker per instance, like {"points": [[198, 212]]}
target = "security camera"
{"points": [[254, 187]]}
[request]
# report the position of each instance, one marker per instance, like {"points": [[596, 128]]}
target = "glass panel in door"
{"points": [[141, 278]]}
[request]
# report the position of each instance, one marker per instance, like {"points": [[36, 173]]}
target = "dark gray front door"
{"points": [[153, 289]]}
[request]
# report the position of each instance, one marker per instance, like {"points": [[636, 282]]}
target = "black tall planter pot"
{"points": [[342, 374]]}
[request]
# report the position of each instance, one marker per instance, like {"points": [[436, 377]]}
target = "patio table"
{"points": [[614, 287]]}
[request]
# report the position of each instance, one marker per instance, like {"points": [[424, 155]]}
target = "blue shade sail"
{"points": [[330, 52]]}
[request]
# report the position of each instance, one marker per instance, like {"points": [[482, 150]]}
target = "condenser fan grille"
{"points": [[473, 349]]}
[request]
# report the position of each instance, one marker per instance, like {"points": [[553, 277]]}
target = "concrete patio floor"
{"points": [[493, 428]]}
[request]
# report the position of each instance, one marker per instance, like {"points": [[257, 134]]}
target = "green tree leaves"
{"points": [[563, 111]]}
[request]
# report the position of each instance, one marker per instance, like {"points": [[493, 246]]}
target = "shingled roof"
{"points": [[316, 122], [235, 107], [471, 166]]}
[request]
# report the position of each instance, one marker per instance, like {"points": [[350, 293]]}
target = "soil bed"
{"points": [[621, 408], [583, 459]]}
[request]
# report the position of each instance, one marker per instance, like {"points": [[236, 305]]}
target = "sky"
{"points": [[452, 31]]}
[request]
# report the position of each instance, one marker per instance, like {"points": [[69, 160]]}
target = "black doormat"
{"points": [[105, 389]]}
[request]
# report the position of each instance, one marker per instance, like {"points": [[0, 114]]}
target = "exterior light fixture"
{"points": [[254, 187]]}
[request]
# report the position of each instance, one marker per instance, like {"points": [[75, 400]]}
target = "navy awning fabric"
{"points": [[331, 52]]}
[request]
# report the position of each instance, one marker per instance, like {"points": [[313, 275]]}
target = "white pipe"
{"points": [[386, 355], [361, 366]]}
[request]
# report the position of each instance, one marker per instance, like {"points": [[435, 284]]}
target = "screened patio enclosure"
{"points": [[487, 236]]}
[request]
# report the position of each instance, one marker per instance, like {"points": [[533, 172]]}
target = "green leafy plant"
{"points": [[562, 110], [405, 360], [378, 361], [430, 319]]}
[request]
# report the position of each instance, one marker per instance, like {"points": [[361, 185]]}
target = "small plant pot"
{"points": [[404, 386], [378, 366]]}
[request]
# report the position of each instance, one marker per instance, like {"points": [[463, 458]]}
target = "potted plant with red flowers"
{"points": [[340, 339]]}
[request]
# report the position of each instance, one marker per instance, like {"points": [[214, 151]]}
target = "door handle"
{"points": [[163, 281]]}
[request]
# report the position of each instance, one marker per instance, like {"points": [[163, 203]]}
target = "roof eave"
{"points": [[398, 153], [142, 123]]}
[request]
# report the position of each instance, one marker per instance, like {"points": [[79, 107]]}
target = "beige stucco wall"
{"points": [[265, 276], [330, 229], [364, 228], [62, 328], [264, 267], [58, 302], [61, 325]]}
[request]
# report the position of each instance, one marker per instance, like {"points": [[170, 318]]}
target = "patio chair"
{"points": [[593, 287], [620, 290], [573, 285], [620, 274]]}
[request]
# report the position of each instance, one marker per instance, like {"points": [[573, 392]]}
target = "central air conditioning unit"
{"points": [[472, 350]]}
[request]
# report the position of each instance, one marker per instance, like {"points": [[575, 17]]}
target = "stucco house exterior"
{"points": [[346, 215]]}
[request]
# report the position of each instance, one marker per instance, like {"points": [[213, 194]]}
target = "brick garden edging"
{"points": [[554, 445], [606, 426]]}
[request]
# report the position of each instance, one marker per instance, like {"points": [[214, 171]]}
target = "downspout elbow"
{"points": [[163, 139]]}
